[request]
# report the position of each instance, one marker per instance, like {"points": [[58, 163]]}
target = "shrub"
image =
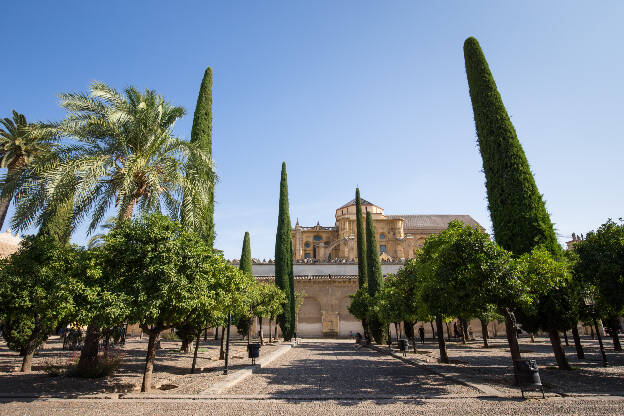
{"points": [[104, 366], [170, 336]]}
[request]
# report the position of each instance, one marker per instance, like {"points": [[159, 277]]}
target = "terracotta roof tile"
{"points": [[437, 222]]}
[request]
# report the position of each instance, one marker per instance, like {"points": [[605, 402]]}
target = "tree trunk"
{"points": [[560, 356], [270, 327], [216, 333], [484, 332], [149, 360], [512, 334], [466, 335], [89, 352], [27, 362], [448, 331], [195, 353], [185, 345], [433, 332], [462, 335], [275, 335], [222, 351], [4, 203], [577, 343], [260, 326], [614, 327], [443, 355], [565, 337], [591, 328], [106, 343], [127, 215], [4, 207], [205, 334]]}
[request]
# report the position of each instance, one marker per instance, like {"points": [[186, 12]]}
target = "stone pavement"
{"points": [[327, 377], [321, 369]]}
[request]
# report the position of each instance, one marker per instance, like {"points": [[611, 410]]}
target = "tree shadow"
{"points": [[351, 376]]}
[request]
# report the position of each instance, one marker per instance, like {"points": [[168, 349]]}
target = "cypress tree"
{"points": [[361, 247], [57, 221], [245, 259], [519, 217], [284, 277], [361, 240], [201, 133], [375, 278]]}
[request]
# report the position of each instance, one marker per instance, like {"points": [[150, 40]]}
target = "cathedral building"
{"points": [[398, 236], [325, 263]]}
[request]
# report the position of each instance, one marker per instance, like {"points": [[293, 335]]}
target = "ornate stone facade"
{"points": [[325, 267], [398, 236]]}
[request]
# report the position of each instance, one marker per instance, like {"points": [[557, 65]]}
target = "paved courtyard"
{"points": [[331, 377], [335, 369]]}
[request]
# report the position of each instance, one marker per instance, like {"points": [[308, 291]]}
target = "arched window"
{"points": [[307, 244], [318, 238], [382, 236], [382, 248]]}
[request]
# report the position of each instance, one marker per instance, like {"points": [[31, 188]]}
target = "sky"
{"points": [[348, 93]]}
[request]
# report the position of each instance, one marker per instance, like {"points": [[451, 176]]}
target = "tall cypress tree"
{"points": [[361, 248], [284, 277], [361, 240], [245, 259], [375, 278], [201, 133], [57, 221], [519, 217]]}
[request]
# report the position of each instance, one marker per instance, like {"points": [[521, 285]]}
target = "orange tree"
{"points": [[38, 286], [169, 275]]}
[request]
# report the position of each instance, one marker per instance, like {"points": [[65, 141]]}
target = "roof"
{"points": [[436, 222], [352, 202]]}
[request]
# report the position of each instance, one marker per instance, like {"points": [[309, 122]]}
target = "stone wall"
{"points": [[315, 269]]}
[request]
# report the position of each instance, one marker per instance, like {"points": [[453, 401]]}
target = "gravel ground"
{"points": [[492, 366], [336, 379], [465, 406], [328, 369], [170, 370]]}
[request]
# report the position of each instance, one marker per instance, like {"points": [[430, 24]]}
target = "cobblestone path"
{"points": [[335, 369]]}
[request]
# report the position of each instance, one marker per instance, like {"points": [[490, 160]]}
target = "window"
{"points": [[318, 238], [382, 236], [382, 248], [307, 255], [307, 244]]}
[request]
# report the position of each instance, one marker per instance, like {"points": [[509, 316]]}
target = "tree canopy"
{"points": [[38, 285]]}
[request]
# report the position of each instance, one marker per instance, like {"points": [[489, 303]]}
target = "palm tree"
{"points": [[120, 149], [18, 148], [97, 240]]}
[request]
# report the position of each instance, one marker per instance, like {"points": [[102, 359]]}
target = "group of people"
{"points": [[421, 333]]}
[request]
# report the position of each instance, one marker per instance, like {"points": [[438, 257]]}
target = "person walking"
{"points": [[421, 334]]}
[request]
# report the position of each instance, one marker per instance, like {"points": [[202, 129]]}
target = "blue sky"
{"points": [[348, 93]]}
